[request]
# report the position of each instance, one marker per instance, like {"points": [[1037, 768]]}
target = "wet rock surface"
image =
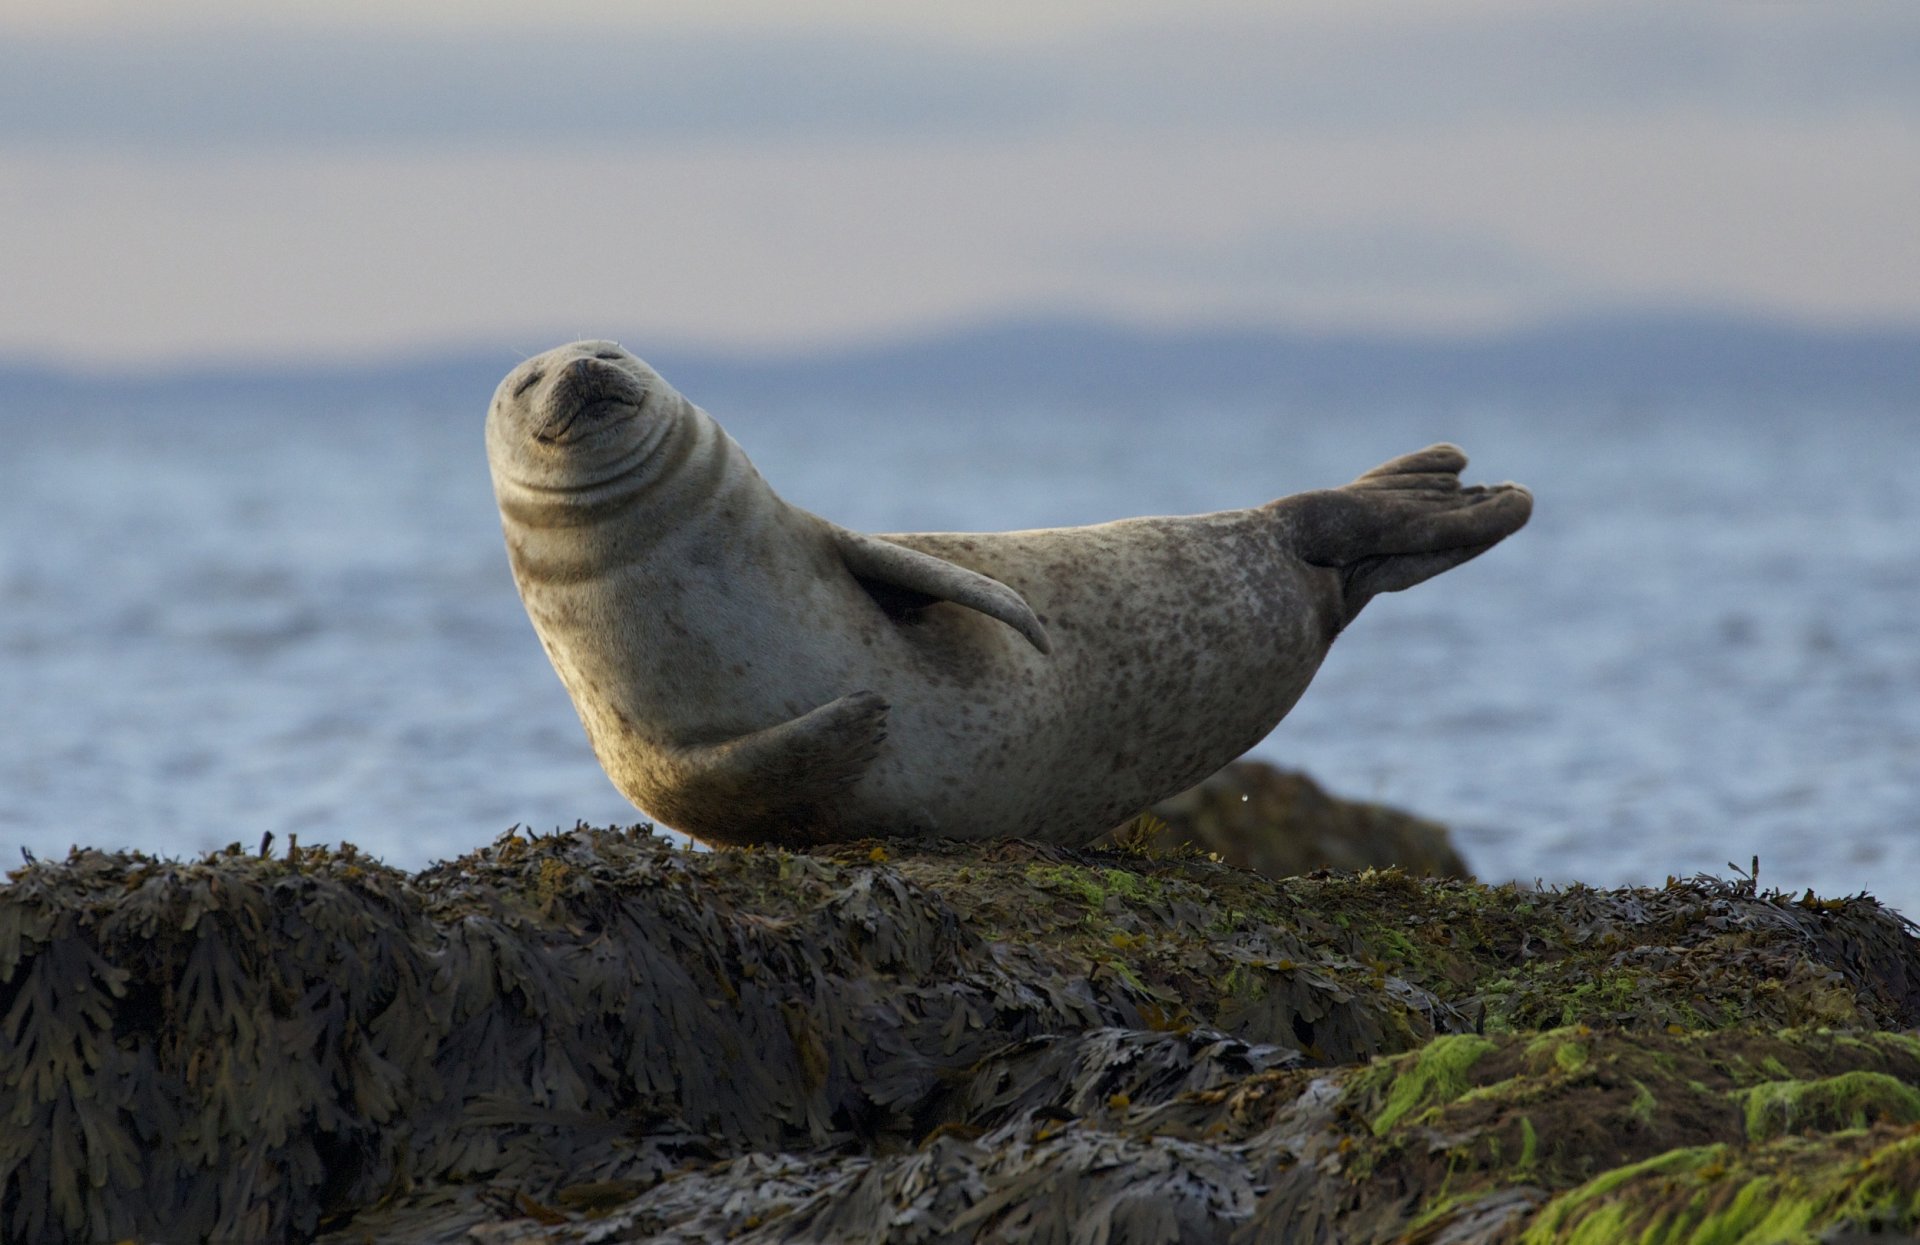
{"points": [[596, 1036]]}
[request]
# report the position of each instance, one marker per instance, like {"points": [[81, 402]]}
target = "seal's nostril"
{"points": [[581, 368]]}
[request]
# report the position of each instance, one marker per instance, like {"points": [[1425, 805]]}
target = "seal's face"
{"points": [[569, 416]]}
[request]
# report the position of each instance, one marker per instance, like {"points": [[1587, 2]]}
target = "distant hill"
{"points": [[1070, 359]]}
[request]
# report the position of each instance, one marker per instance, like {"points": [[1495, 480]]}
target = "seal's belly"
{"points": [[1062, 747]]}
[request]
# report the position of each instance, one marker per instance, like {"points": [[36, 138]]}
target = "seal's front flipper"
{"points": [[773, 785], [906, 579], [1404, 522]]}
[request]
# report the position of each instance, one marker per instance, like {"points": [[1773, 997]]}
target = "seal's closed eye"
{"points": [[532, 379]]}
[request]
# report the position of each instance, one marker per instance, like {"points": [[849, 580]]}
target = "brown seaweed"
{"points": [[597, 1036]]}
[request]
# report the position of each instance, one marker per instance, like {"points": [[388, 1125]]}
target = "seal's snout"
{"points": [[588, 393], [591, 379]]}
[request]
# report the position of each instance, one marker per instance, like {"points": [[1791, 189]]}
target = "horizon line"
{"points": [[19, 362]]}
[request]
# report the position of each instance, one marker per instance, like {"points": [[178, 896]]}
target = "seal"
{"points": [[751, 673]]}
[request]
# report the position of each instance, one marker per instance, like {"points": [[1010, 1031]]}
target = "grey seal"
{"points": [[751, 673]]}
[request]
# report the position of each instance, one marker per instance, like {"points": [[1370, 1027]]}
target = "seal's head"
{"points": [[576, 416]]}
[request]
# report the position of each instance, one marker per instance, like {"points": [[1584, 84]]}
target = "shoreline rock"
{"points": [[597, 1036], [1282, 823]]}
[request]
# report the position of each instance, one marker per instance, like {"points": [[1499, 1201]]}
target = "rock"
{"points": [[596, 1036], [1282, 823]]}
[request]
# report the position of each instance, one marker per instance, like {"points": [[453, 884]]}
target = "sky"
{"points": [[193, 183]]}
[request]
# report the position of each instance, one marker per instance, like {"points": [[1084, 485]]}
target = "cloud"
{"points": [[349, 252], [253, 88], [343, 189], [1627, 60], [583, 83]]}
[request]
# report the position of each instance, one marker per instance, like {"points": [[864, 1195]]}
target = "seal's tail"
{"points": [[1406, 521]]}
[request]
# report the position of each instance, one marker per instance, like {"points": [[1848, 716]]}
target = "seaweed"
{"points": [[599, 1036]]}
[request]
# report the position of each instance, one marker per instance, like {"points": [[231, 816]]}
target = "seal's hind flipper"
{"points": [[1436, 468], [1404, 522], [909, 579], [771, 785]]}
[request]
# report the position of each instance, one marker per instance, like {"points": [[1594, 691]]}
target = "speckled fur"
{"points": [[739, 683]]}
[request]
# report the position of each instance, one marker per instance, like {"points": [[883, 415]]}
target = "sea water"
{"points": [[222, 617]]}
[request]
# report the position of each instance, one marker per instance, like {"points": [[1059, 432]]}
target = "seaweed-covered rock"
{"points": [[597, 1036], [1282, 823]]}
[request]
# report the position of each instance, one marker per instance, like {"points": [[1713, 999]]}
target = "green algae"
{"points": [[1790, 1190], [1563, 1047], [1849, 1100], [1588, 1215], [1644, 1104], [1095, 887], [1538, 1115], [1433, 1076]]}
